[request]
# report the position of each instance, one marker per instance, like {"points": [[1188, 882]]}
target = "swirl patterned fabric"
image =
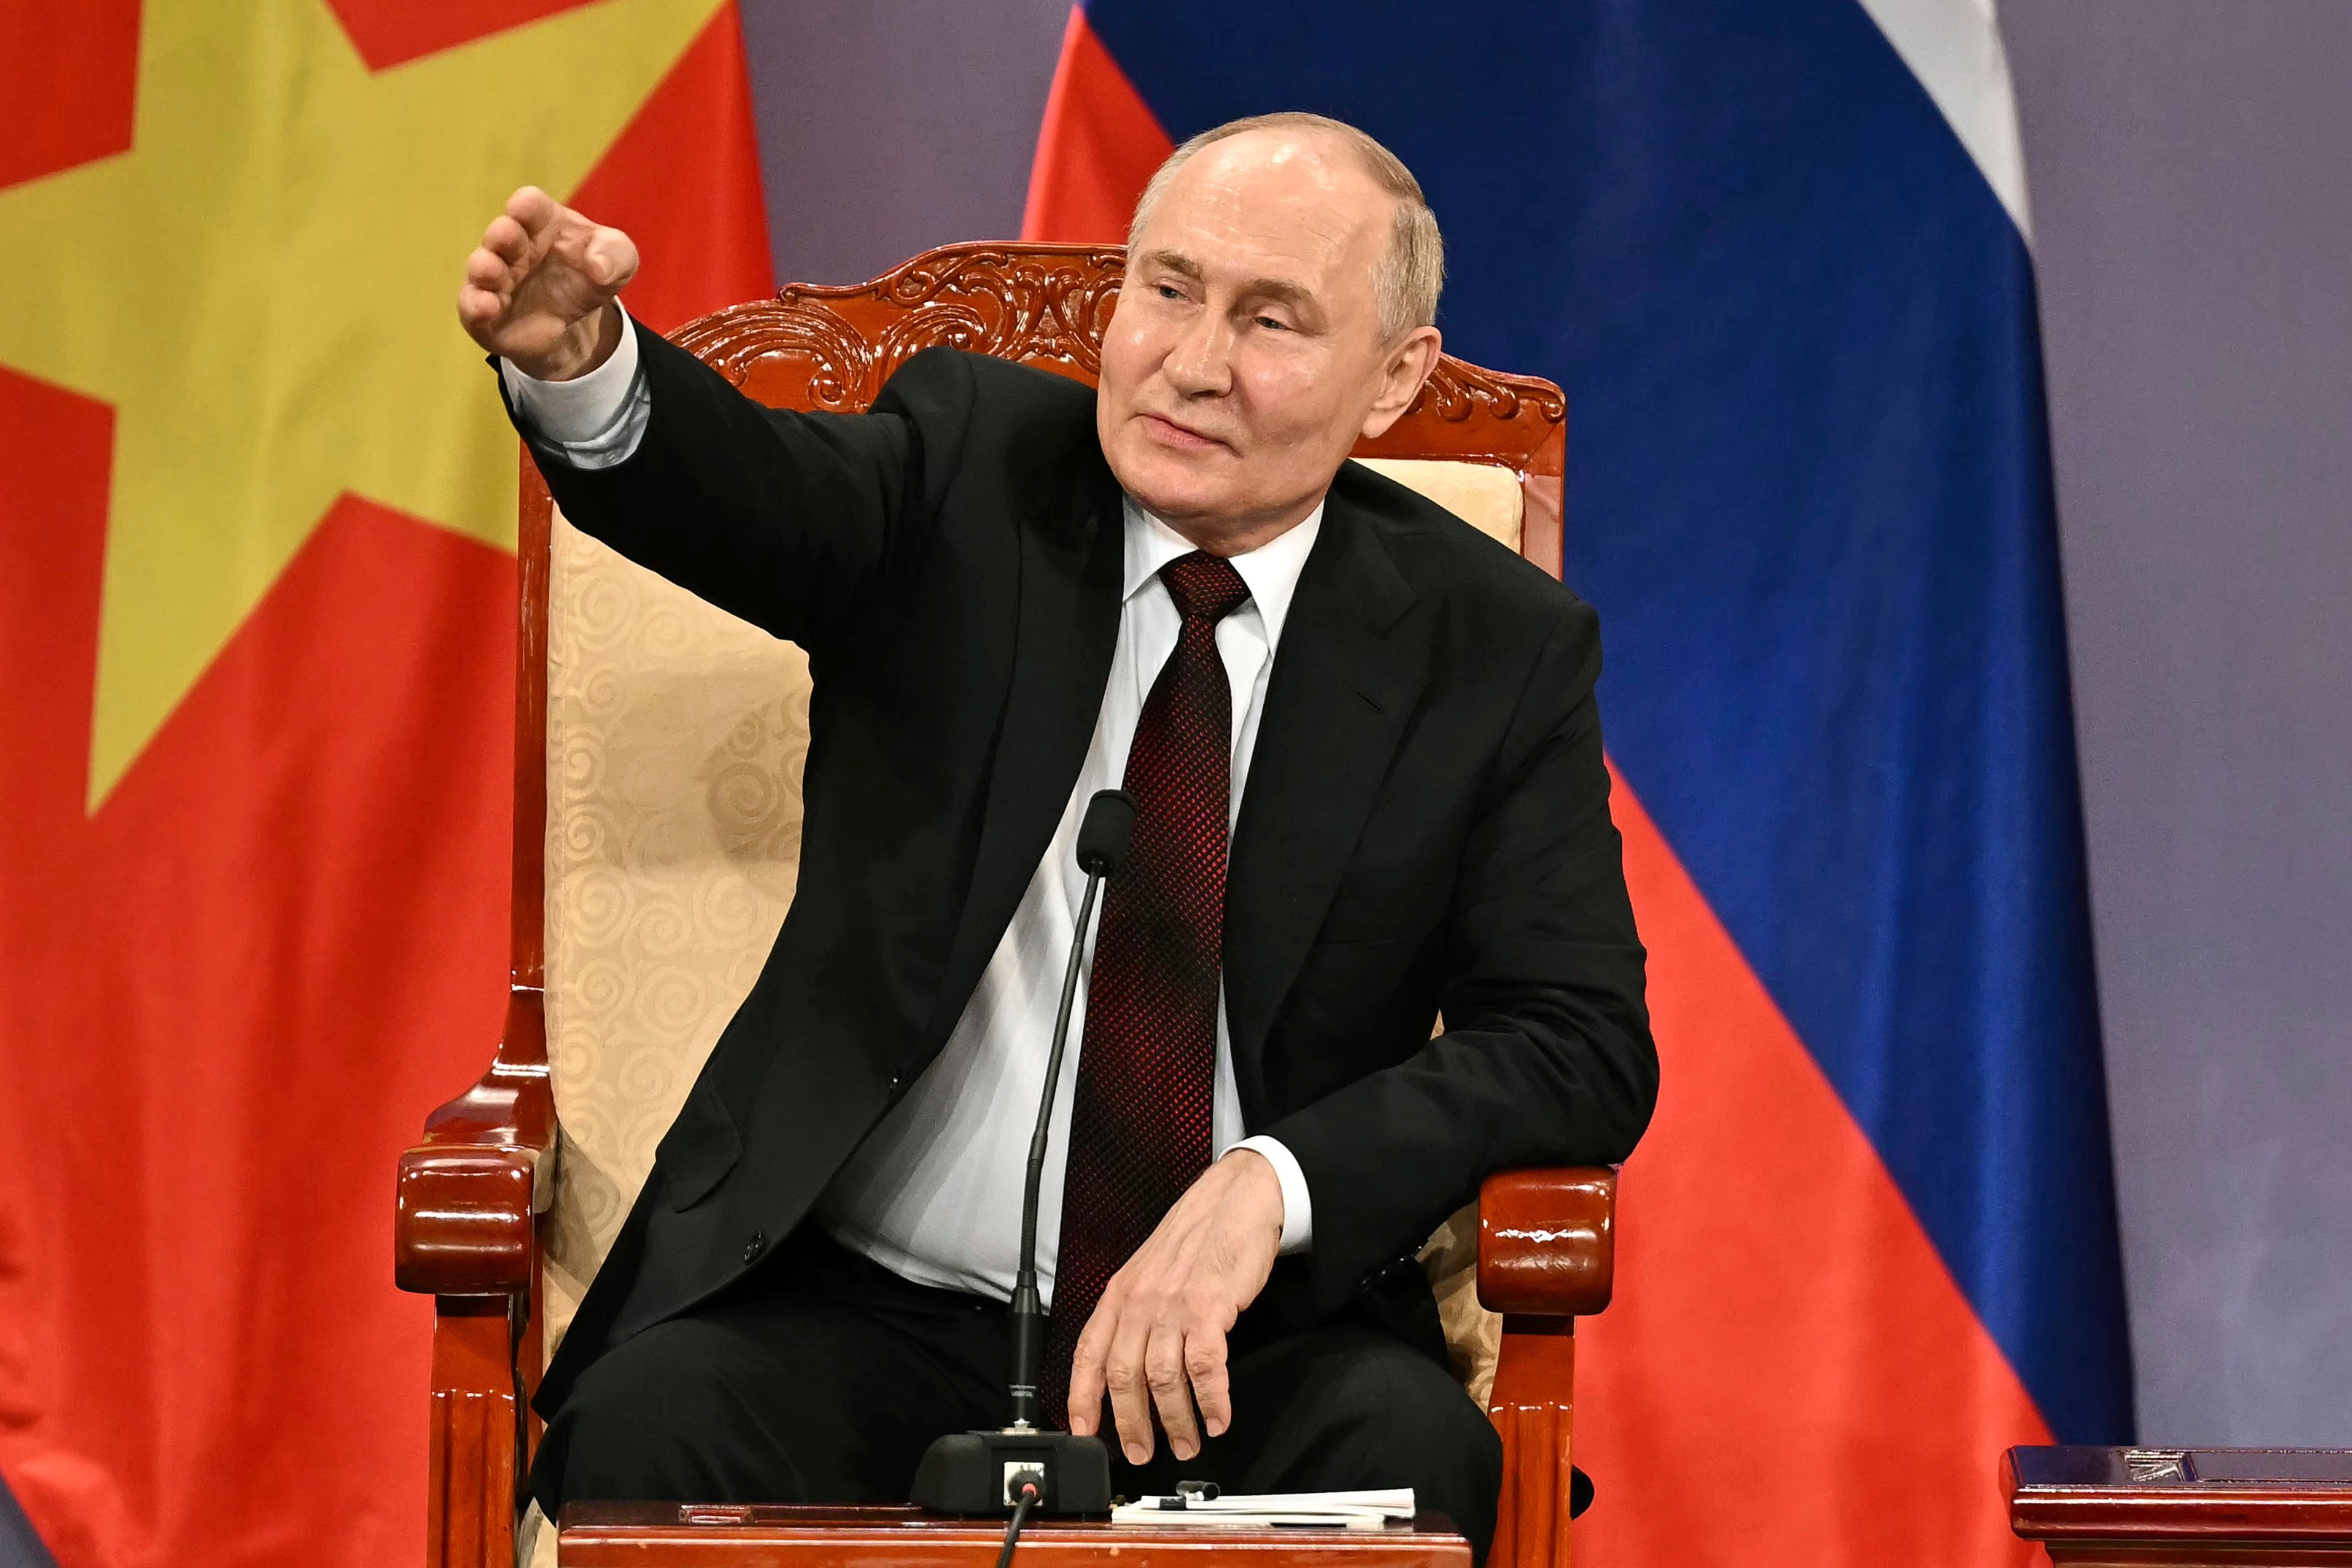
{"points": [[676, 736]]}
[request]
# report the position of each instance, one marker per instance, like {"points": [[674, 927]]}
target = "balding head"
{"points": [[1413, 267], [1281, 276]]}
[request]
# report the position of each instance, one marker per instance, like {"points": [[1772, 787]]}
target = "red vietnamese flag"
{"points": [[256, 608]]}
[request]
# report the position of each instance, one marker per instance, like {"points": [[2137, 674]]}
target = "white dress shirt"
{"points": [[934, 1192], [596, 420]]}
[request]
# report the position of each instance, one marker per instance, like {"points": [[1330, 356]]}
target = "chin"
{"points": [[1168, 486]]}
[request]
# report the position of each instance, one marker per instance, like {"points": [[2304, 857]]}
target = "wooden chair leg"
{"points": [[470, 1485], [1533, 1408], [1547, 1257]]}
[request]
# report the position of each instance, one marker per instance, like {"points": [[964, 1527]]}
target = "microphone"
{"points": [[1104, 835], [1023, 1463]]}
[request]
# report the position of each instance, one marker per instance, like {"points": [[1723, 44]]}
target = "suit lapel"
{"points": [[1066, 629], [1350, 668]]}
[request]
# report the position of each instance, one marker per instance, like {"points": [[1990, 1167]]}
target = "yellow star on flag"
{"points": [[263, 285]]}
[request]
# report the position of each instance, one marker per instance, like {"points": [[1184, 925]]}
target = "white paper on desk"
{"points": [[1371, 1509]]}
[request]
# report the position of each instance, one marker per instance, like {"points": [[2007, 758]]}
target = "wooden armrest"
{"points": [[467, 1195], [1547, 1241]]}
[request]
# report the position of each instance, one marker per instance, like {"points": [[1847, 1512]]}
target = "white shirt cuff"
{"points": [[592, 421], [1298, 1209]]}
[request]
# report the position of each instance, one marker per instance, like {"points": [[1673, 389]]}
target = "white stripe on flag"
{"points": [[1953, 47]]}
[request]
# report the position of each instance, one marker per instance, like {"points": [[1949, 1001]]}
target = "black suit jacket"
{"points": [[1425, 824]]}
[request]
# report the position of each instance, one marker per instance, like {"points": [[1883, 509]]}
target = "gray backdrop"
{"points": [[2193, 206], [2193, 199], [891, 126]]}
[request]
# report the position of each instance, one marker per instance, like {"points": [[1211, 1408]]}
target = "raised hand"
{"points": [[540, 287]]}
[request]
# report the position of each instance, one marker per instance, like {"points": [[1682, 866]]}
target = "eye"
{"points": [[1168, 291], [1271, 323]]}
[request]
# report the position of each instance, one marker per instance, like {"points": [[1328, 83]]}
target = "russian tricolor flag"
{"points": [[1779, 255]]}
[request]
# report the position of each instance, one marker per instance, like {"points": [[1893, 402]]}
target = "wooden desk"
{"points": [[2132, 1508], [659, 1535]]}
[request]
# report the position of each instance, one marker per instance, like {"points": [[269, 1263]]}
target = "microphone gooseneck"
{"points": [[1104, 836], [1026, 1469]]}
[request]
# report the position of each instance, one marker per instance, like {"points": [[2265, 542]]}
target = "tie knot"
{"points": [[1203, 584]]}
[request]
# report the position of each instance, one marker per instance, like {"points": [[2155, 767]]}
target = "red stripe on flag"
{"points": [[1096, 149], [1790, 1374], [389, 33], [67, 82], [684, 181]]}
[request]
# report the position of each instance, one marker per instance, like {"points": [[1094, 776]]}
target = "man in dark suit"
{"points": [[1364, 742]]}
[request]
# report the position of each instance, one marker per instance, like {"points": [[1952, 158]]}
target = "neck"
{"points": [[1228, 537]]}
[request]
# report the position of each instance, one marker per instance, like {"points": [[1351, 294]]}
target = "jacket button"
{"points": [[756, 1245]]}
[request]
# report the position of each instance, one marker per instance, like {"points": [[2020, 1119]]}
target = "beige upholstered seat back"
{"points": [[675, 739], [1485, 496]]}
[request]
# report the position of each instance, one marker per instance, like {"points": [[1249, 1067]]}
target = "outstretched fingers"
{"points": [[489, 286], [537, 289], [1086, 1373], [508, 240], [1108, 1360], [1205, 1369], [534, 210], [607, 258], [486, 268], [1185, 1364], [1172, 1395], [478, 306], [616, 258], [1130, 1392], [1157, 1340]]}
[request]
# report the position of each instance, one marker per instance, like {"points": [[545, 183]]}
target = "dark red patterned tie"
{"points": [[1140, 1127]]}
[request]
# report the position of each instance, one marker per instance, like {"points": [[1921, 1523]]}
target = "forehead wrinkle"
{"points": [[1219, 173], [1290, 205], [1307, 152], [1227, 217], [1236, 184]]}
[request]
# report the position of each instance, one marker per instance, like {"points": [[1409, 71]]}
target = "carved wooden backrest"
{"points": [[1046, 305], [669, 781]]}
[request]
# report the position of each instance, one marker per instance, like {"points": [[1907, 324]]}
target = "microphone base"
{"points": [[971, 1473]]}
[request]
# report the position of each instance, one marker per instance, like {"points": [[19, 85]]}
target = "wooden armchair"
{"points": [[657, 752]]}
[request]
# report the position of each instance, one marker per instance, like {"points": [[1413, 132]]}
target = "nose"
{"points": [[1200, 364]]}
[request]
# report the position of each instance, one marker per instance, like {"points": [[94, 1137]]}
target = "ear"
{"points": [[1410, 360]]}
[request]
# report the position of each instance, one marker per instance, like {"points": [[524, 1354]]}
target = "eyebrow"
{"points": [[1280, 288]]}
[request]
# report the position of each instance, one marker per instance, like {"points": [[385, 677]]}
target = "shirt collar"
{"points": [[1271, 570]]}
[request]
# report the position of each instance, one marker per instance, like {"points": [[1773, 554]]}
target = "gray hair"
{"points": [[1411, 272]]}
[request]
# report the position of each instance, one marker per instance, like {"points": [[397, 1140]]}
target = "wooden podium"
{"points": [[2134, 1507], [667, 1535]]}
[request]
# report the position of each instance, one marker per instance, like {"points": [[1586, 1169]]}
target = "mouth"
{"points": [[1182, 437]]}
